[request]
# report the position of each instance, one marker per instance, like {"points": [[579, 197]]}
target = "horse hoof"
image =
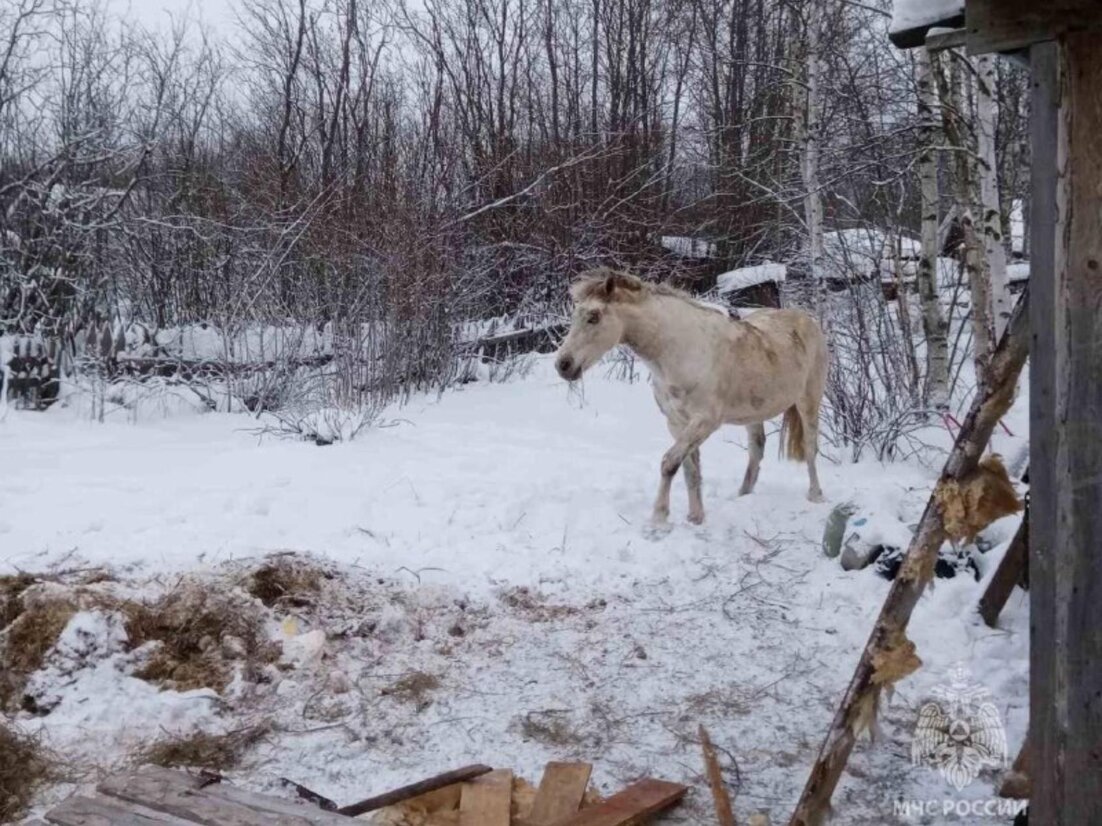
{"points": [[657, 528], [745, 491], [816, 496], [696, 518]]}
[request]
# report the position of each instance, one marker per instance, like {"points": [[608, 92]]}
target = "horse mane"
{"points": [[594, 283]]}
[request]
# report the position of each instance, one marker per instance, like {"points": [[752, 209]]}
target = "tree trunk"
{"points": [[933, 322], [953, 88], [987, 166], [809, 163]]}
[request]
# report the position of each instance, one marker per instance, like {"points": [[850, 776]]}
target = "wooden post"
{"points": [[1007, 575], [1066, 433]]}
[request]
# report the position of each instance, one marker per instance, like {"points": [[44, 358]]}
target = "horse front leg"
{"points": [[688, 440], [693, 481]]}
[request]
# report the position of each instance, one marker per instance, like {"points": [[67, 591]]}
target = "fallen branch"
{"points": [[888, 656]]}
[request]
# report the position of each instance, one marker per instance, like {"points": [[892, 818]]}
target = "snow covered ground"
{"points": [[495, 540]]}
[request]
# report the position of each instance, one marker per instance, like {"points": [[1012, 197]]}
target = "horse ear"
{"points": [[623, 281]]}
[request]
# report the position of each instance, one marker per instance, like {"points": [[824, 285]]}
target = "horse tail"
{"points": [[793, 444]]}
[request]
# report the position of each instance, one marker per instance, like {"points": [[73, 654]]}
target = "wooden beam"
{"points": [[948, 40], [1066, 446], [1044, 120], [1009, 574], [1007, 25]]}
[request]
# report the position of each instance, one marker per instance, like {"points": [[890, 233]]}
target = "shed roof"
{"points": [[912, 19]]}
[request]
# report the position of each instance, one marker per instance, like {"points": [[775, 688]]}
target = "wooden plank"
{"points": [[1009, 573], [560, 793], [1046, 335], [311, 812], [487, 800], [413, 790], [631, 806], [174, 793], [191, 784], [1006, 25], [1067, 670], [724, 813], [102, 811]]}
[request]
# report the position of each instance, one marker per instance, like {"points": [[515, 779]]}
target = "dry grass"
{"points": [[205, 751], [11, 596], [534, 606], [201, 632], [416, 688], [33, 627], [550, 728], [286, 580], [24, 767]]}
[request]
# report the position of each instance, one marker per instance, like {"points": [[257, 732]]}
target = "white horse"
{"points": [[707, 370]]}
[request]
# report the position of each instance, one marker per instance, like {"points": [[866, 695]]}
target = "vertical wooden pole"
{"points": [[1066, 433]]}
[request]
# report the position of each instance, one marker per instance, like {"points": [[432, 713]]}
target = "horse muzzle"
{"points": [[568, 368]]}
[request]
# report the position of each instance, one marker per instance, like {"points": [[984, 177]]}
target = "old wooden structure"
{"points": [[1062, 42], [471, 796]]}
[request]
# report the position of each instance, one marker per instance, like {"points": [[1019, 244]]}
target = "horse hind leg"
{"points": [[757, 450], [809, 419]]}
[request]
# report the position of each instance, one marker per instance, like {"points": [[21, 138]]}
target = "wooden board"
{"points": [[102, 811], [176, 793], [1065, 469], [1007, 575], [560, 793], [1007, 25], [631, 806], [487, 800]]}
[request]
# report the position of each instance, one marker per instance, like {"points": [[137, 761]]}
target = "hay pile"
{"points": [[202, 633], [34, 614], [24, 767]]}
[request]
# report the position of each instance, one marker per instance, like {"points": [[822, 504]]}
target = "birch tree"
{"points": [[933, 323], [954, 86], [987, 167], [811, 137]]}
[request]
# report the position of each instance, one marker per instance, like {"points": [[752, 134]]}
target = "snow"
{"points": [[1017, 271], [495, 539], [744, 277], [96, 707], [865, 251], [914, 14], [689, 247], [1017, 225], [948, 271]]}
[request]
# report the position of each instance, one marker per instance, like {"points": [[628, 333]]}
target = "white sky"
{"points": [[218, 14]]}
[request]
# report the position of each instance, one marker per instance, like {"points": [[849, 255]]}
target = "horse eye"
{"points": [[594, 317]]}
